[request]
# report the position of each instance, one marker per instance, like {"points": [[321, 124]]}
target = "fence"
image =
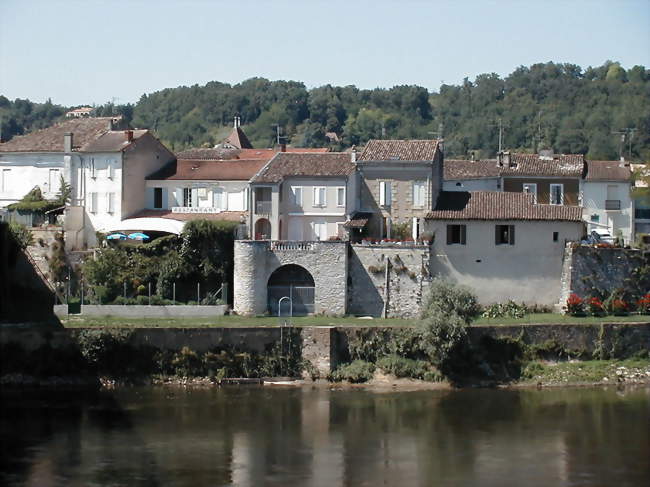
{"points": [[300, 302]]}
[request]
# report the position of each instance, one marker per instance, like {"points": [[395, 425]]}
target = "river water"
{"points": [[256, 435]]}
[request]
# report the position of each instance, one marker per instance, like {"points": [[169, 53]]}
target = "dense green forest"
{"points": [[559, 106]]}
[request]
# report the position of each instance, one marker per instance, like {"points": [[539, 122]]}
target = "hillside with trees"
{"points": [[559, 106]]}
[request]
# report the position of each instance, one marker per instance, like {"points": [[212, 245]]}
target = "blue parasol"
{"points": [[138, 236], [116, 236]]}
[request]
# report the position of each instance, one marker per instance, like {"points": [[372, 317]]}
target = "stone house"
{"points": [[503, 245], [303, 196], [399, 183]]}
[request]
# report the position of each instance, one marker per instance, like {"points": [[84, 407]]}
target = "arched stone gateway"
{"points": [[320, 265], [294, 282]]}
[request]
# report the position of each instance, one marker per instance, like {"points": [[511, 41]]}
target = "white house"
{"points": [[502, 244], [607, 199], [303, 196]]}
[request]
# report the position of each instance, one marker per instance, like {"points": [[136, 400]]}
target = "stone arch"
{"points": [[262, 229], [295, 282]]}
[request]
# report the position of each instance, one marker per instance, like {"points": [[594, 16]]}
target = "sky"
{"points": [[91, 51]]}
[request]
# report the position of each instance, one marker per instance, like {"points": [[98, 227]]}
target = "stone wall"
{"points": [[145, 311], [255, 261], [387, 280], [589, 271]]}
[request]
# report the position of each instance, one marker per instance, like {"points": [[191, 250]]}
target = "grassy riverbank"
{"points": [[79, 321], [634, 370]]}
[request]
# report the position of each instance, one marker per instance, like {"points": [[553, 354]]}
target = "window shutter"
{"points": [[111, 170], [511, 234], [382, 193], [165, 200], [388, 195], [463, 234], [323, 196], [449, 234], [496, 235]]}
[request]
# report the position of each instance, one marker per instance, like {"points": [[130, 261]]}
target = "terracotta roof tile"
{"points": [[113, 141], [223, 153], [399, 150], [50, 139], [608, 171], [568, 165], [286, 164], [463, 169], [197, 169], [493, 205]]}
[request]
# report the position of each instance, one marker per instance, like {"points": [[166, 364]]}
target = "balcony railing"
{"points": [[263, 207], [290, 245], [612, 204]]}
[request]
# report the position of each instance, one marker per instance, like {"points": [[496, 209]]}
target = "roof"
{"points": [[113, 141], [50, 139], [237, 138], [286, 164], [493, 205], [223, 153], [399, 150], [223, 170], [463, 169], [358, 219], [608, 171], [567, 165], [229, 216]]}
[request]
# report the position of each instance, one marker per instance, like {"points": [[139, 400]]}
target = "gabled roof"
{"points": [[237, 138], [228, 170], [399, 150], [463, 169], [50, 139], [113, 141], [494, 205], [287, 164], [608, 171], [567, 165]]}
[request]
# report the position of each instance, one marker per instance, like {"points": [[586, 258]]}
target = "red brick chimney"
{"points": [[129, 135], [283, 147]]}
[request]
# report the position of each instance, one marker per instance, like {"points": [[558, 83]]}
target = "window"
{"points": [[217, 199], [92, 202], [556, 236], [53, 180], [319, 197], [5, 183], [320, 231], [531, 188], [595, 218], [157, 198], [340, 196], [456, 234], [187, 197], [110, 169], [110, 202], [384, 193], [415, 228], [613, 201], [386, 227], [557, 194], [504, 234], [92, 168], [297, 195], [418, 193]]}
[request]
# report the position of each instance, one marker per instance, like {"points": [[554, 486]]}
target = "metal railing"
{"points": [[301, 298], [61, 299], [263, 207], [289, 245]]}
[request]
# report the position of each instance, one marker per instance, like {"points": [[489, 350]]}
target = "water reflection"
{"points": [[249, 436]]}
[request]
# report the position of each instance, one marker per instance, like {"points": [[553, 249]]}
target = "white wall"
{"points": [[233, 194], [528, 271], [487, 184], [20, 172], [594, 194]]}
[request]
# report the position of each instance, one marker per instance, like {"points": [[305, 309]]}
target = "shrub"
{"points": [[355, 372], [448, 298], [643, 304], [509, 309], [595, 306], [575, 305], [187, 363], [21, 235], [403, 367]]}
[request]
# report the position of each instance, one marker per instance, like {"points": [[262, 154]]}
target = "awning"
{"points": [[146, 225], [358, 220]]}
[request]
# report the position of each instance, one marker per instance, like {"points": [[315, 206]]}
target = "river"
{"points": [[256, 435]]}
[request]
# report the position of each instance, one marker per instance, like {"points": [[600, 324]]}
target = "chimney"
{"points": [[546, 154], [109, 124], [500, 159], [283, 147], [67, 142], [506, 159], [353, 154], [129, 135], [473, 156]]}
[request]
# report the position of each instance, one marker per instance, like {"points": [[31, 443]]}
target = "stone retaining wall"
{"points": [[145, 311]]}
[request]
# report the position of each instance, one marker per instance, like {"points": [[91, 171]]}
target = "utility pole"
{"points": [[629, 133], [278, 129], [621, 141], [500, 125], [438, 134]]}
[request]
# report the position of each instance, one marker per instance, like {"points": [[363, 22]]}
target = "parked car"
{"points": [[602, 236]]}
